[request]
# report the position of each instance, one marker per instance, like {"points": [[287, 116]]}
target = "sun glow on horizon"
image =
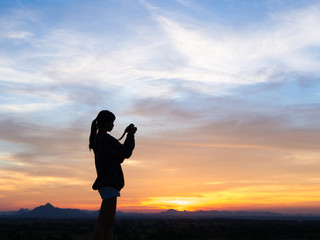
{"points": [[241, 198]]}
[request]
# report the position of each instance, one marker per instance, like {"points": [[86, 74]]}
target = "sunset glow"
{"points": [[225, 95]]}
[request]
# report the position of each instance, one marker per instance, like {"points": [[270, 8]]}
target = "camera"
{"points": [[131, 127]]}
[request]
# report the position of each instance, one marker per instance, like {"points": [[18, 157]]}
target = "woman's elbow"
{"points": [[128, 155]]}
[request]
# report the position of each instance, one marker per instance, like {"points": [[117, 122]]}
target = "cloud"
{"points": [[169, 48], [246, 55], [13, 24], [42, 147], [210, 59]]}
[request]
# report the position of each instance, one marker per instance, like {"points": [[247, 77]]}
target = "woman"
{"points": [[109, 153]]}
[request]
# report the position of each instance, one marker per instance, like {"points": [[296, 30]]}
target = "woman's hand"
{"points": [[131, 129]]}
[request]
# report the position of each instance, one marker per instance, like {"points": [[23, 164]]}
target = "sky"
{"points": [[225, 95]]}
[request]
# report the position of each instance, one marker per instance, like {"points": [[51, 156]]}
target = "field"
{"points": [[156, 229]]}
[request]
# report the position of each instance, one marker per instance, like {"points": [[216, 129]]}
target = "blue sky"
{"points": [[217, 72]]}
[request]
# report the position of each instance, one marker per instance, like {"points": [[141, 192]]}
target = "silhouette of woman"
{"points": [[109, 153]]}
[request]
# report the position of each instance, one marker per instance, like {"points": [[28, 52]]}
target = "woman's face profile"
{"points": [[109, 126]]}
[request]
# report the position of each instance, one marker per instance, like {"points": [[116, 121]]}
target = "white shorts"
{"points": [[108, 192]]}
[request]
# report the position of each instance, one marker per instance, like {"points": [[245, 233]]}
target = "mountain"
{"points": [[51, 212], [23, 210], [13, 213], [174, 214], [221, 214], [214, 214]]}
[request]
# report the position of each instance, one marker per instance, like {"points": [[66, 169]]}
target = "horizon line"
{"points": [[160, 210]]}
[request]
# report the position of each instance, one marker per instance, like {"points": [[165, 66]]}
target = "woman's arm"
{"points": [[123, 151]]}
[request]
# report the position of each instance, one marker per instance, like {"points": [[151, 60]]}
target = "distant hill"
{"points": [[50, 212], [174, 214], [14, 213], [220, 214], [171, 213]]}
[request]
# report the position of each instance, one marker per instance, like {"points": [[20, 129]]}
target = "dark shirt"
{"points": [[109, 153]]}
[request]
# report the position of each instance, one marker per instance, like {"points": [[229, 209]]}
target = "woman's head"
{"points": [[104, 121]]}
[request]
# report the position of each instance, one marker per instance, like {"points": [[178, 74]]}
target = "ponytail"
{"points": [[93, 134]]}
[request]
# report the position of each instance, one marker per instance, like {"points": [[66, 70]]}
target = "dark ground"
{"points": [[145, 229]]}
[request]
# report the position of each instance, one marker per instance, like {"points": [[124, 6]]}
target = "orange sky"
{"points": [[180, 175]]}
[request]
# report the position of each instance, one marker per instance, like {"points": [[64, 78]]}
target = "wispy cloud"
{"points": [[245, 55], [171, 49], [14, 25]]}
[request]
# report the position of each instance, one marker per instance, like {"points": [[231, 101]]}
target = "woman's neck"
{"points": [[103, 130]]}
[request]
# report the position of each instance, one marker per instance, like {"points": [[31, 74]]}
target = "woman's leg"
{"points": [[104, 225]]}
